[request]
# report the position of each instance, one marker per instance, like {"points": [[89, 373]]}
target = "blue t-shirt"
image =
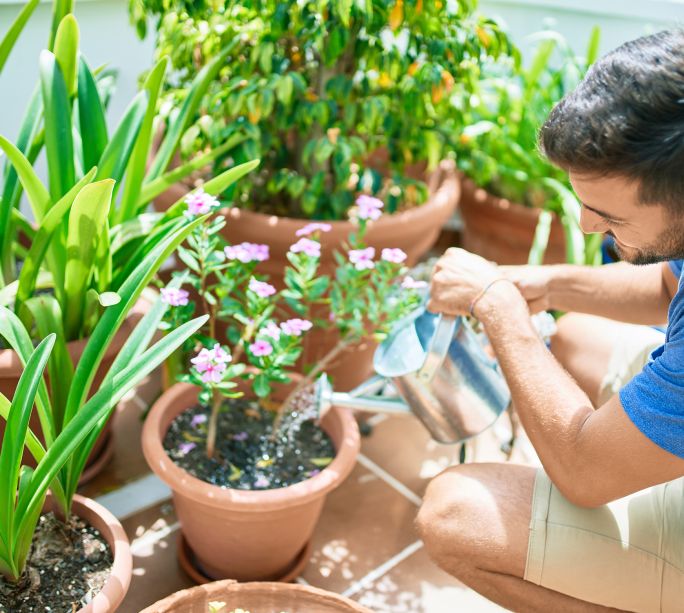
{"points": [[654, 399]]}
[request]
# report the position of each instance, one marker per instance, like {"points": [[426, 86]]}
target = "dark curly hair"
{"points": [[626, 118]]}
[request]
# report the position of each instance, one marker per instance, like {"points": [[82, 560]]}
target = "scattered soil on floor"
{"points": [[246, 457], [67, 567]]}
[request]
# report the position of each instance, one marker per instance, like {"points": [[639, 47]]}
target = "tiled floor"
{"points": [[364, 546]]}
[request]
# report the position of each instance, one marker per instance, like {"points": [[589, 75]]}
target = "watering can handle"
{"points": [[438, 347]]}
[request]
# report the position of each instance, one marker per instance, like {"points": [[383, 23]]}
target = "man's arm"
{"points": [[592, 456], [632, 294]]}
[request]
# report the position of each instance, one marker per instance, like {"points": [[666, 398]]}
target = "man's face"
{"points": [[644, 234]]}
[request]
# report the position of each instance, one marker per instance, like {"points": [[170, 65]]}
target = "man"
{"points": [[602, 526]]}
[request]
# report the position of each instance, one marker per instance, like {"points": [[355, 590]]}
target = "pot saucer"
{"points": [[188, 562]]}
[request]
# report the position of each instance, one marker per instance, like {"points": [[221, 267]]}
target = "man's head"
{"points": [[620, 135]]}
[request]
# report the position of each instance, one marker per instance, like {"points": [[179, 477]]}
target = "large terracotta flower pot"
{"points": [[11, 369], [256, 597], [240, 534], [114, 590], [503, 231]]}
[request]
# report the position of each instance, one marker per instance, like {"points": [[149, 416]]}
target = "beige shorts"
{"points": [[628, 554]]}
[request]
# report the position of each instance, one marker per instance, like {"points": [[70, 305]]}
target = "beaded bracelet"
{"points": [[483, 292]]}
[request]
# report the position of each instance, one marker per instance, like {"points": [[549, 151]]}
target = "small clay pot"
{"points": [[11, 369], [258, 598], [240, 534], [114, 590], [503, 231]]}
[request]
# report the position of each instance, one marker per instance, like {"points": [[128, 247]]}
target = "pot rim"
{"points": [[218, 588], [441, 201], [115, 588], [182, 396]]}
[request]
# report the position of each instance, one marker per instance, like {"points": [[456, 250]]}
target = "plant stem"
{"points": [[212, 428], [308, 380]]}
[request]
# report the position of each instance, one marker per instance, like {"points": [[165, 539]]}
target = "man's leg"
{"points": [[475, 524]]}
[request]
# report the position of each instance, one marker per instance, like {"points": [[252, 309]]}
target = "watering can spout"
{"points": [[357, 398]]}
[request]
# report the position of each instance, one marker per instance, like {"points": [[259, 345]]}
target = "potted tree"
{"points": [[226, 596], [338, 100], [79, 560], [238, 440], [512, 197]]}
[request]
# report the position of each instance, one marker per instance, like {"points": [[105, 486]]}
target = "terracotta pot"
{"points": [[256, 597], [114, 590], [240, 534], [503, 231], [11, 369]]}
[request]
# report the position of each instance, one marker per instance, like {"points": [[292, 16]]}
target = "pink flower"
{"points": [[174, 296], [295, 327], [186, 448], [261, 348], [369, 207], [198, 419], [262, 482], [211, 363], [362, 258], [411, 283], [396, 256], [200, 203], [261, 289], [307, 246], [247, 252], [313, 227], [271, 330], [240, 436]]}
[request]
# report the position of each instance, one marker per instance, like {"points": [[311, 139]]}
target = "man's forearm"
{"points": [[633, 294], [551, 406]]}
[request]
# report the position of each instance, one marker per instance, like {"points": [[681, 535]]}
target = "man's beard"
{"points": [[668, 246]]}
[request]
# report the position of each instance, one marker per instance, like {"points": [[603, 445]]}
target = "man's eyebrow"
{"points": [[602, 213]]}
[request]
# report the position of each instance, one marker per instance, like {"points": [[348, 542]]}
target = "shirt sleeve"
{"points": [[676, 267]]}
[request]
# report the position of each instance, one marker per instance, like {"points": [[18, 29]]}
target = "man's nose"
{"points": [[590, 222]]}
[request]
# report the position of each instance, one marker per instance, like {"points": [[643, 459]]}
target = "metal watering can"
{"points": [[444, 376]]}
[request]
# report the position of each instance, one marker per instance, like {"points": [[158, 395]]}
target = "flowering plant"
{"points": [[265, 326]]}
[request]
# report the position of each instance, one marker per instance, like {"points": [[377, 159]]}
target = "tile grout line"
{"points": [[153, 537], [389, 479], [381, 570]]}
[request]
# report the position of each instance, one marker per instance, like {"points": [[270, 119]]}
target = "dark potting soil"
{"points": [[68, 565], [245, 457]]}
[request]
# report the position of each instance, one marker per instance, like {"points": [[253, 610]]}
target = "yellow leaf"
{"points": [[396, 17], [385, 80], [264, 463], [419, 7], [310, 96], [437, 93], [484, 37], [413, 68], [447, 80], [254, 116]]}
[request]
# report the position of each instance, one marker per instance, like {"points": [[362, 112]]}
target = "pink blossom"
{"points": [[200, 203], [261, 348], [307, 246], [369, 207], [396, 256], [411, 283], [247, 252], [262, 481], [213, 373], [186, 448], [198, 419], [220, 355], [362, 258], [261, 289], [295, 327], [174, 296], [271, 330], [240, 436], [211, 363], [309, 229]]}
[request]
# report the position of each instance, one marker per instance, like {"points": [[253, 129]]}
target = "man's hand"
{"points": [[533, 282], [457, 279]]}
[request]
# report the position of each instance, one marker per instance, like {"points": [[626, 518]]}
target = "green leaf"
{"points": [[39, 246], [38, 196], [10, 38], [60, 8], [137, 164], [66, 51], [593, 46], [187, 113], [87, 223], [541, 238], [59, 146], [261, 385], [91, 117]]}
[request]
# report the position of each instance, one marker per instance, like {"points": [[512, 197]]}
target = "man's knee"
{"points": [[450, 517]]}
